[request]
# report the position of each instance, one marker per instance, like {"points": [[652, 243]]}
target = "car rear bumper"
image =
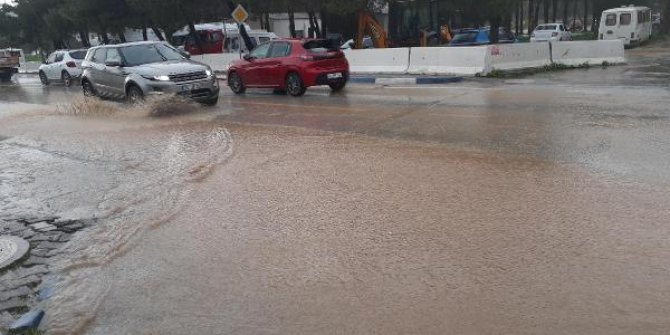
{"points": [[318, 77]]}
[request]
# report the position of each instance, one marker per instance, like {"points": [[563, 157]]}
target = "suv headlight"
{"points": [[208, 72], [157, 78]]}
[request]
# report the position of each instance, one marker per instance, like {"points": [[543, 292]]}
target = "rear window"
{"points": [[78, 54], [624, 20], [610, 20], [319, 46]]}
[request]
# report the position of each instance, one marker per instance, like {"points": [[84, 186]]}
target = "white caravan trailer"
{"points": [[630, 24]]}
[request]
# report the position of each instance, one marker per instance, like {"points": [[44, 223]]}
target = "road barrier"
{"points": [[588, 52], [29, 67], [218, 62], [464, 61], [517, 56], [383, 61]]}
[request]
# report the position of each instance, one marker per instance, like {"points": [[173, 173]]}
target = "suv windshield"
{"points": [[149, 53]]}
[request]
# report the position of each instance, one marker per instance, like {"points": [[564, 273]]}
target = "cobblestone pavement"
{"points": [[20, 284]]}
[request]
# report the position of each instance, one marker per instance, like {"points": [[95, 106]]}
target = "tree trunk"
{"points": [[531, 26], [104, 37], [84, 39], [291, 24], [495, 29], [586, 14], [554, 10], [314, 24], [158, 33], [537, 13], [196, 36], [324, 27], [516, 18], [122, 37], [666, 18], [545, 7], [267, 22], [574, 13], [566, 5], [145, 36]]}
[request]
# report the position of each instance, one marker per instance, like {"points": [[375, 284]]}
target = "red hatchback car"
{"points": [[291, 66]]}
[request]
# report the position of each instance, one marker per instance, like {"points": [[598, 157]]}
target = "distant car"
{"points": [[550, 32], [367, 43], [481, 36], [292, 66], [63, 66], [135, 70]]}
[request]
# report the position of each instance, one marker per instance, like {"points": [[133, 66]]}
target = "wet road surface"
{"points": [[525, 206]]}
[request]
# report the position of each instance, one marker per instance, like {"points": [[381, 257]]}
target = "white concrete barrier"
{"points": [[588, 52], [218, 62], [517, 56], [29, 67], [464, 61], [383, 61]]}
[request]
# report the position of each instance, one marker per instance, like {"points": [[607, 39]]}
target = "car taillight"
{"points": [[554, 34], [71, 64], [307, 58]]}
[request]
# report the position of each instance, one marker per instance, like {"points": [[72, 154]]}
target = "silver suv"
{"points": [[135, 70]]}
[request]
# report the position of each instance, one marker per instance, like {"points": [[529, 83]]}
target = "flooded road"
{"points": [[525, 206]]}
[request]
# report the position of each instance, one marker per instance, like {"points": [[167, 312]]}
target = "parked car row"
{"points": [[133, 71]]}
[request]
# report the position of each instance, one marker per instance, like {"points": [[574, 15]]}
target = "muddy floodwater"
{"points": [[532, 205]]}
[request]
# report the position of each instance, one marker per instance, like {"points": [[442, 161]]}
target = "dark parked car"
{"points": [[291, 66], [481, 36]]}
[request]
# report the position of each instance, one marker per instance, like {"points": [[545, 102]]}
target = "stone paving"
{"points": [[19, 283]]}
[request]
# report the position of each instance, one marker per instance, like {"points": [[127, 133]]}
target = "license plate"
{"points": [[334, 75], [190, 87]]}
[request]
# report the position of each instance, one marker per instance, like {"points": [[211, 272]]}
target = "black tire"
{"points": [[5, 77], [43, 78], [66, 78], [338, 86], [235, 83], [134, 94], [211, 101], [294, 85], [88, 89]]}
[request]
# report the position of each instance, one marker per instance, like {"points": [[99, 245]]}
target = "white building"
{"points": [[279, 24]]}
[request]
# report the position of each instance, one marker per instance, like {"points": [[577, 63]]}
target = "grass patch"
{"points": [[584, 36], [33, 58]]}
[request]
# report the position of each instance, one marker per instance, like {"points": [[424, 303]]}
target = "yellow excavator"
{"points": [[368, 25]]}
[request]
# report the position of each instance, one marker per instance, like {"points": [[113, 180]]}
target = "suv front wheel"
{"points": [[134, 94]]}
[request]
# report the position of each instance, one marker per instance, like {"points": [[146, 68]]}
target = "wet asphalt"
{"points": [[526, 205]]}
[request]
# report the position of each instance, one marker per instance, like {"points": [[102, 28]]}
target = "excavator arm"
{"points": [[367, 24]]}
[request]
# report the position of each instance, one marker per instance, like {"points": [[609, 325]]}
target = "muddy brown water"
{"points": [[531, 207]]}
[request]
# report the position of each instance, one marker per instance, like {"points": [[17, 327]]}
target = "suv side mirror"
{"points": [[113, 63], [186, 54]]}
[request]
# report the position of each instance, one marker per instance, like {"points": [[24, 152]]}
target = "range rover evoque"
{"points": [[136, 70]]}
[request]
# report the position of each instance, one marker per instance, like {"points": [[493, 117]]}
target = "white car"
{"points": [[550, 32], [63, 66]]}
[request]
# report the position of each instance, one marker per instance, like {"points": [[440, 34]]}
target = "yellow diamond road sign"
{"points": [[240, 14]]}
